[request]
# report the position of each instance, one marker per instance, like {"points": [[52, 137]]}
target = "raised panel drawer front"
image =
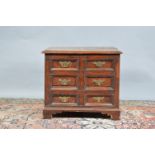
{"points": [[64, 82], [63, 100], [99, 82], [64, 62], [98, 100], [99, 63]]}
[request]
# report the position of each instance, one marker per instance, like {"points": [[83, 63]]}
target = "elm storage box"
{"points": [[82, 80]]}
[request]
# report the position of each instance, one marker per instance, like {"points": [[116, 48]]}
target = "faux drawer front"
{"points": [[99, 82], [63, 62], [64, 100], [63, 82], [99, 63], [98, 100]]}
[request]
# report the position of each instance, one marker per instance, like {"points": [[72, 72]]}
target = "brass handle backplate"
{"points": [[65, 64], [98, 82], [98, 99], [64, 82], [99, 63], [64, 99]]}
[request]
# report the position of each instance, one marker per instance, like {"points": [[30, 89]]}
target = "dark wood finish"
{"points": [[82, 80]]}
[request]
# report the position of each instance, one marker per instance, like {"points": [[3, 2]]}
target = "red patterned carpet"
{"points": [[27, 113]]}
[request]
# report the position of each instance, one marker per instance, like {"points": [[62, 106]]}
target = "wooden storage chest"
{"points": [[82, 80]]}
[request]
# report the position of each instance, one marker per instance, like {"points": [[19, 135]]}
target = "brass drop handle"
{"points": [[98, 99], [64, 81], [98, 82], [99, 63], [65, 64], [64, 99]]}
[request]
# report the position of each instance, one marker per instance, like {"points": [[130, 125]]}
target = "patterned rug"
{"points": [[27, 114]]}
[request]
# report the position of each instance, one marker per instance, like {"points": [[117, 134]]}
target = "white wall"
{"points": [[22, 64]]}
